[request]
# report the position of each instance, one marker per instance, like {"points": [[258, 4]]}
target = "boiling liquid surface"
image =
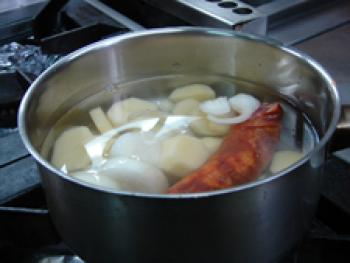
{"points": [[297, 132]]}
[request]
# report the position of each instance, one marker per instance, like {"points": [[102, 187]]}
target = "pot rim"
{"points": [[175, 30]]}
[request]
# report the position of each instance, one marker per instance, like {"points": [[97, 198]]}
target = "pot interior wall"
{"points": [[105, 66]]}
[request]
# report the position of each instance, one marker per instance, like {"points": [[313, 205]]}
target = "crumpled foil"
{"points": [[28, 58]]}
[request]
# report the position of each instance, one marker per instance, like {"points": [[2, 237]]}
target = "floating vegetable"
{"points": [[199, 92], [96, 148], [93, 177], [136, 176], [140, 146], [69, 152], [186, 107], [243, 155], [120, 111], [283, 159], [100, 120], [205, 127], [165, 105], [182, 154], [212, 143], [216, 107], [243, 104]]}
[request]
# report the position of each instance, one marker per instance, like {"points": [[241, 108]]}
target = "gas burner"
{"points": [[44, 31], [58, 29], [13, 86], [19, 66]]}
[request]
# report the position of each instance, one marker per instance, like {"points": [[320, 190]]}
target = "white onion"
{"points": [[233, 120], [175, 124], [165, 105], [141, 146], [96, 147], [218, 106], [242, 103], [92, 177], [136, 176]]}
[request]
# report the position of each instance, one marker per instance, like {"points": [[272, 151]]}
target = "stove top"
{"points": [[35, 33]]}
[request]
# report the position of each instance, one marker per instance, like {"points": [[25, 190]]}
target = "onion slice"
{"points": [[242, 103], [233, 120], [96, 147], [218, 106]]}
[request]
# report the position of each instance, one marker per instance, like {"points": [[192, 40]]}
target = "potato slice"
{"points": [[100, 120], [165, 105], [182, 154], [212, 143], [186, 107], [283, 159], [69, 149], [198, 92], [120, 111], [205, 127], [218, 129]]}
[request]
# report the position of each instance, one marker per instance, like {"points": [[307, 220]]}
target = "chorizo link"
{"points": [[243, 155]]}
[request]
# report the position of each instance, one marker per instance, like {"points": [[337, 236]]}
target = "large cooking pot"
{"points": [[256, 222]]}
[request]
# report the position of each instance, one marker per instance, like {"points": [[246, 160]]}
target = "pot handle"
{"points": [[341, 136]]}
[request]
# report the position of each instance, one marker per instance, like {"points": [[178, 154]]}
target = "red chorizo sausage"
{"points": [[242, 156]]}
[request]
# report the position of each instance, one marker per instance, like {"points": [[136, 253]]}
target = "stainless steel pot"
{"points": [[255, 222]]}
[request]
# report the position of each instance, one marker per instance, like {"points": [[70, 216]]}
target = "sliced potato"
{"points": [[100, 120], [199, 92], [283, 159], [182, 154], [204, 127], [69, 149], [218, 129], [120, 111], [165, 105], [212, 143], [186, 107]]}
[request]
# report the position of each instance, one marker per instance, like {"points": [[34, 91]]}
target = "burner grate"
{"points": [[69, 28]]}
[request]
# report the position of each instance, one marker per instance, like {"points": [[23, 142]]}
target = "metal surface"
{"points": [[341, 135], [330, 49], [47, 19], [8, 5], [288, 21], [120, 18], [300, 25], [17, 24], [208, 13], [255, 222], [69, 41]]}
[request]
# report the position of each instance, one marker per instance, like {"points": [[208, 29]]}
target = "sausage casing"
{"points": [[243, 155]]}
